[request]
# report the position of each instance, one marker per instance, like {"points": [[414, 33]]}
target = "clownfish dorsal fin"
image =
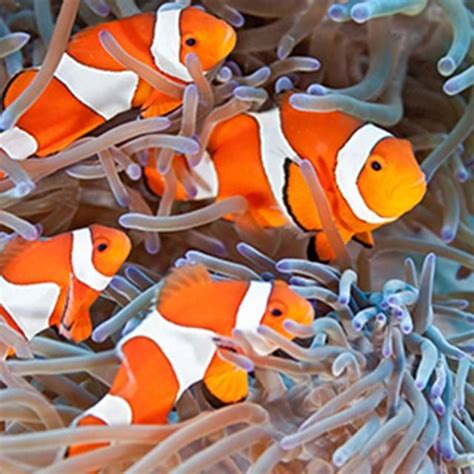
{"points": [[183, 278], [14, 248]]}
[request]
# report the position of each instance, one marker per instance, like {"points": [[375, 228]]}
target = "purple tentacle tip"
{"points": [[420, 385], [343, 300]]}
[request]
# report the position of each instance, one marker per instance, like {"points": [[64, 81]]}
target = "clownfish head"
{"points": [[111, 248], [378, 175], [97, 254], [282, 304], [179, 32], [391, 181]]}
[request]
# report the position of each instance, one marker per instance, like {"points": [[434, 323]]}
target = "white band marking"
{"points": [[188, 349], [17, 143], [112, 410], [29, 305], [251, 311], [349, 163], [88, 84], [83, 263], [166, 46], [274, 150]]}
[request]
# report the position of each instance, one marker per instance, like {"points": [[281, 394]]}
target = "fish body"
{"points": [[370, 178], [174, 346], [53, 282], [90, 87]]}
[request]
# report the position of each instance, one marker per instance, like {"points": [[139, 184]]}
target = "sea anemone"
{"points": [[383, 379]]}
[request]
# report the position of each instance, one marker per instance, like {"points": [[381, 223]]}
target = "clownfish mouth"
{"points": [[419, 179], [421, 182], [260, 344]]}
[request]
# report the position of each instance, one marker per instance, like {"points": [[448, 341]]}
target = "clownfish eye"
{"points": [[190, 42], [102, 247], [376, 166], [276, 312]]}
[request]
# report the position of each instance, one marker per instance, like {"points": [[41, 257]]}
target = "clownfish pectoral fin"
{"points": [[365, 238], [76, 321], [159, 104], [80, 329], [227, 385]]}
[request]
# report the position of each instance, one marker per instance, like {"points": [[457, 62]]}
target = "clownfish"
{"points": [[90, 87], [53, 282], [370, 178], [174, 346]]}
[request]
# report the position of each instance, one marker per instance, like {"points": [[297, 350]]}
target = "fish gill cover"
{"points": [[383, 380]]}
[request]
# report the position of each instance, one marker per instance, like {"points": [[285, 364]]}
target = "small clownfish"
{"points": [[53, 282], [89, 87], [174, 346], [370, 178]]}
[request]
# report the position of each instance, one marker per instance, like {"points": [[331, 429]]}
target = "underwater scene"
{"points": [[237, 236]]}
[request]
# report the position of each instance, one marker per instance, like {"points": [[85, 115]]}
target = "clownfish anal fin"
{"points": [[12, 249], [225, 383], [365, 238], [183, 278]]}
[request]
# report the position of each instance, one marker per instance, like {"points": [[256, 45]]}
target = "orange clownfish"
{"points": [[90, 87], [174, 347], [370, 178], [53, 282]]}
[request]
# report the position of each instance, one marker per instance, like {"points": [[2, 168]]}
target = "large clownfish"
{"points": [[53, 282], [90, 87], [174, 346], [370, 177]]}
